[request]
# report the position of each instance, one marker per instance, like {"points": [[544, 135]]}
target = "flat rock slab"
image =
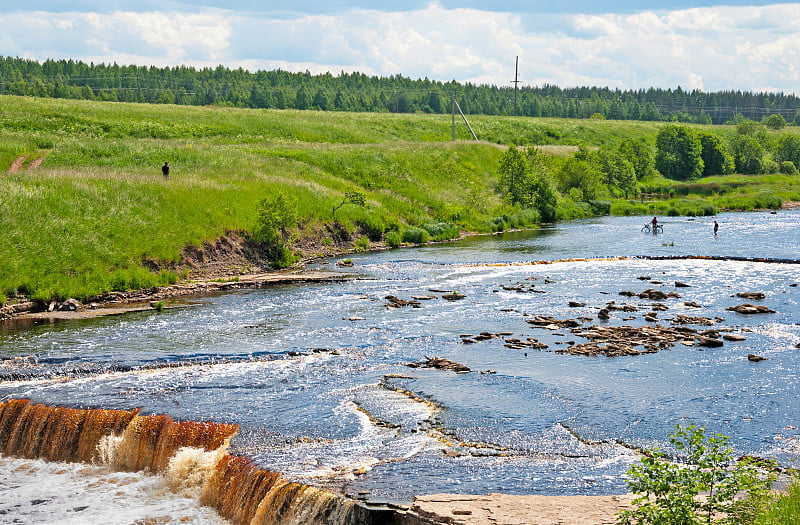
{"points": [[516, 510]]}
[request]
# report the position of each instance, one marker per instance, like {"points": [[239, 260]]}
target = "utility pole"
{"points": [[453, 113], [516, 82]]}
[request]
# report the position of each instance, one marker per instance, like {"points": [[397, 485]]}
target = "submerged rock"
{"points": [[755, 358]]}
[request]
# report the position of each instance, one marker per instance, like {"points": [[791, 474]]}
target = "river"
{"points": [[317, 376]]}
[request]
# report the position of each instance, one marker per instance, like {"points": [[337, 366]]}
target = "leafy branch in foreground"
{"points": [[707, 489]]}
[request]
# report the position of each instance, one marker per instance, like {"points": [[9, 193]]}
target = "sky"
{"points": [[730, 45]]}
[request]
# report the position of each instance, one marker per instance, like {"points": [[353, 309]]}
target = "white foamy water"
{"points": [[33, 491]]}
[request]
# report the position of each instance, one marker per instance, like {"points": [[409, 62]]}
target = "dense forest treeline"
{"points": [[280, 89]]}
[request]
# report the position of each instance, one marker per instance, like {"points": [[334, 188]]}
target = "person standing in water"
{"points": [[655, 224], [716, 227]]}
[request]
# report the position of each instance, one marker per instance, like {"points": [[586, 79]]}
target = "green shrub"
{"points": [[3, 299], [497, 224], [600, 207], [373, 226], [627, 208], [668, 492], [362, 244], [414, 235], [522, 218], [672, 211], [394, 239], [442, 231], [787, 167]]}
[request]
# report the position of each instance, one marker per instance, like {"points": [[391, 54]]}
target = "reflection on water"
{"points": [[317, 376]]}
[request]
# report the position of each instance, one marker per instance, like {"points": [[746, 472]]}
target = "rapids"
{"points": [[316, 377]]}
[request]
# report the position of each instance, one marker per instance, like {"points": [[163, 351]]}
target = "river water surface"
{"points": [[318, 376]]}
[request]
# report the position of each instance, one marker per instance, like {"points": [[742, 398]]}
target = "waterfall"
{"points": [[192, 455]]}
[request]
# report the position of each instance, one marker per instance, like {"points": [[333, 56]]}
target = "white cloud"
{"points": [[747, 48]]}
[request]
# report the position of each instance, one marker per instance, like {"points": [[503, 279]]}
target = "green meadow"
{"points": [[82, 223]]}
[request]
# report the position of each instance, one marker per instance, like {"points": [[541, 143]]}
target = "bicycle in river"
{"points": [[648, 228]]}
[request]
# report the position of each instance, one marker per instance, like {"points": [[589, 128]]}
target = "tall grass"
{"points": [[781, 509], [84, 221]]}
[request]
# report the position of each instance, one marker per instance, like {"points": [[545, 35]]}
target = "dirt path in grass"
{"points": [[17, 164], [20, 161]]}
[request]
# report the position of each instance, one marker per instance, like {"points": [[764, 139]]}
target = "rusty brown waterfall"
{"points": [[235, 487]]}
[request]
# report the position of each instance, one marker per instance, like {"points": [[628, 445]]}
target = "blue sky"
{"points": [[737, 44]]}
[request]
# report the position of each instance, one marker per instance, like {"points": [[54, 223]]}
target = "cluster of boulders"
{"points": [[483, 336], [441, 363], [614, 341], [396, 302], [70, 305]]}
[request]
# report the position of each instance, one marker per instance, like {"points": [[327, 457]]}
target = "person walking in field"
{"points": [[165, 170]]}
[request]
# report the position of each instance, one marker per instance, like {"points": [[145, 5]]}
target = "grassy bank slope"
{"points": [[86, 220], [83, 222]]}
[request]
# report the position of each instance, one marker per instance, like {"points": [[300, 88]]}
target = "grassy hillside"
{"points": [[83, 222]]}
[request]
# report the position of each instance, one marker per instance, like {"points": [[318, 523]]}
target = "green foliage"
{"points": [[158, 306], [356, 197], [580, 176], [442, 231], [716, 159], [617, 172], [774, 121], [669, 493], [748, 154], [277, 214], [361, 244], [514, 172], [787, 148], [600, 207], [760, 200], [639, 153], [678, 153], [788, 167], [414, 235], [394, 239], [523, 179]]}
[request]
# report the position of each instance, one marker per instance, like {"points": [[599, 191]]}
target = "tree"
{"points": [[678, 153], [524, 181], [716, 159], [788, 149], [640, 155], [774, 121], [748, 154], [351, 197], [276, 215], [579, 178], [668, 492], [617, 172], [513, 170]]}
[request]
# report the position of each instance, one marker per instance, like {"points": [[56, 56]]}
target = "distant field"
{"points": [[83, 221]]}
